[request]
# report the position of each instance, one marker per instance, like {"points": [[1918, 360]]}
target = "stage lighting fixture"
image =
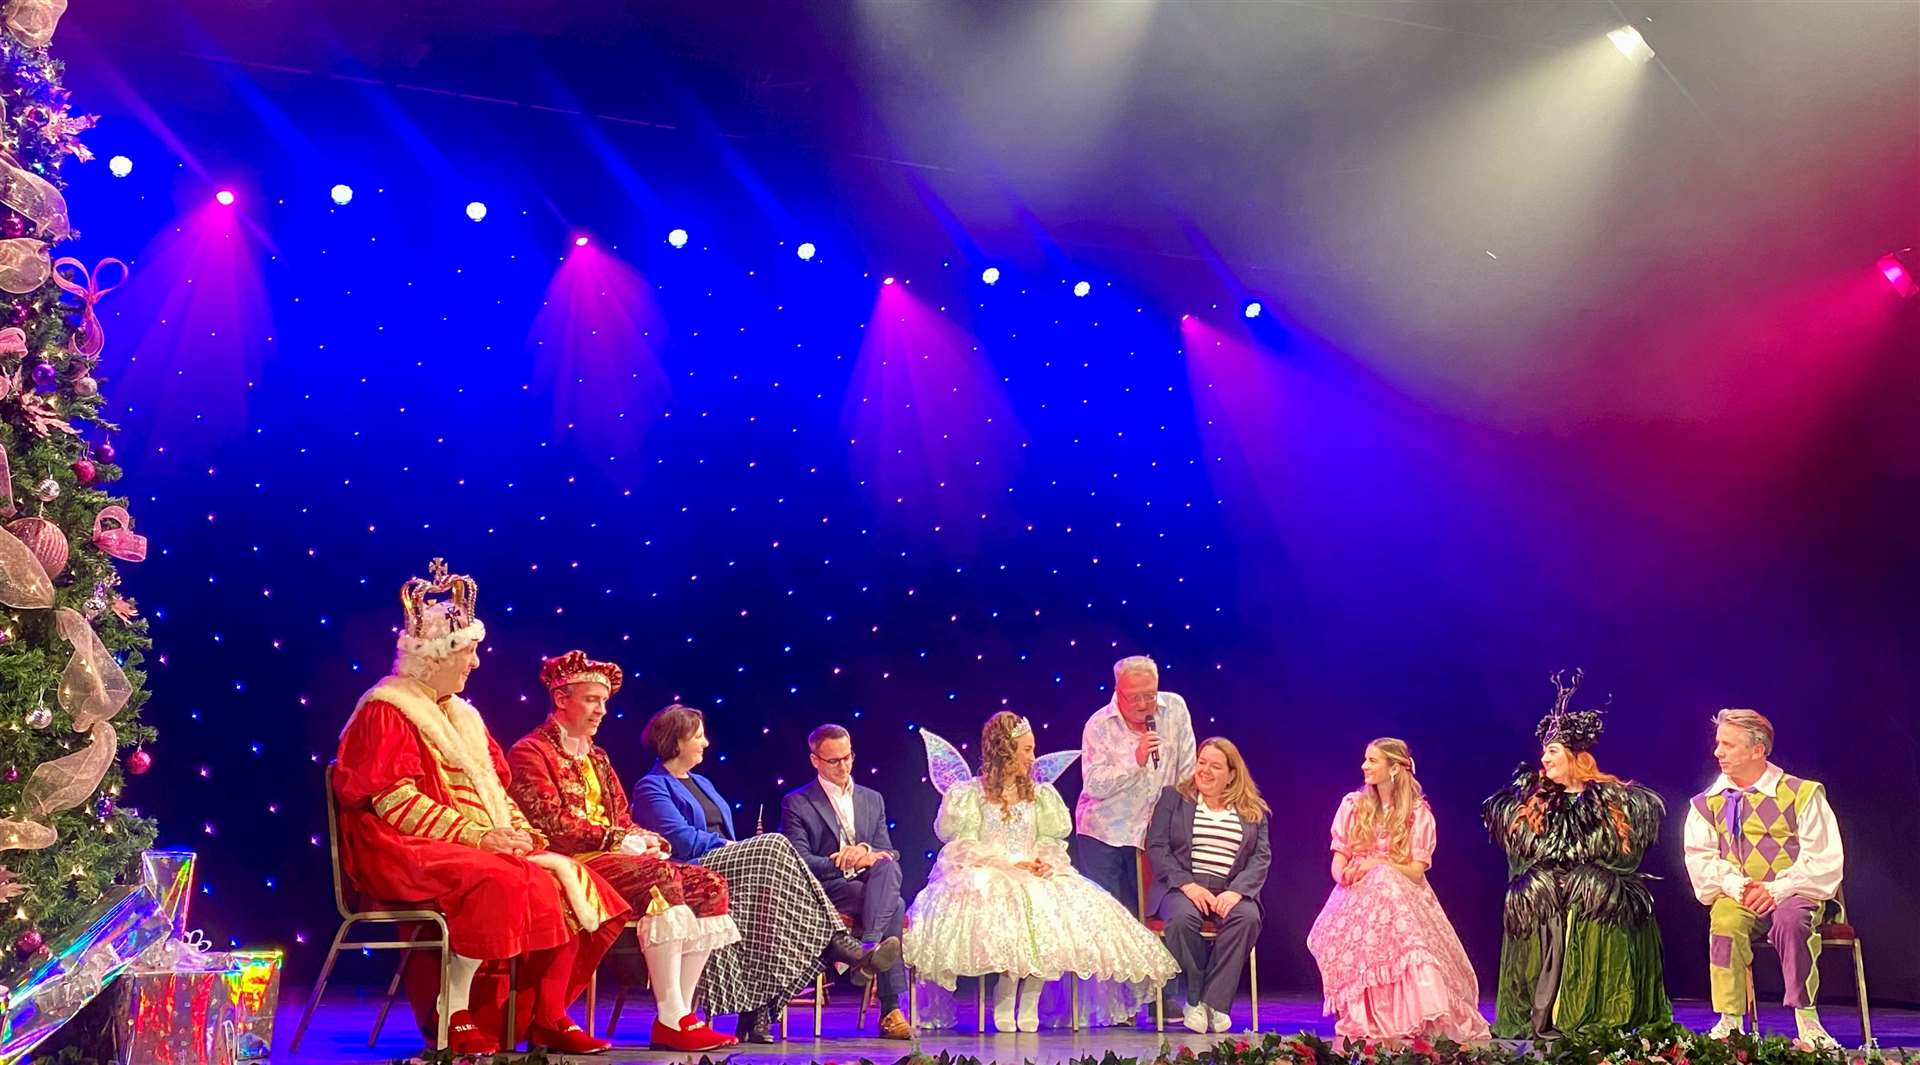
{"points": [[1081, 288], [887, 280], [580, 241], [223, 198], [991, 275], [1251, 308], [120, 166], [677, 238], [1631, 44], [342, 194], [806, 251], [1897, 268], [477, 211]]}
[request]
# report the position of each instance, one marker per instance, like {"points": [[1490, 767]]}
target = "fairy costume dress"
{"points": [[1581, 950], [981, 913]]}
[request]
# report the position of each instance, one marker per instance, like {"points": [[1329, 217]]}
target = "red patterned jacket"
{"points": [[550, 788]]}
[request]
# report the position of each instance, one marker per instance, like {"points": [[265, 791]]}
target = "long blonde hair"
{"points": [[997, 744], [1403, 795], [1242, 794]]}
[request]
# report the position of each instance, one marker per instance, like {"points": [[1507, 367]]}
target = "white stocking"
{"points": [[460, 970], [663, 971], [692, 964]]}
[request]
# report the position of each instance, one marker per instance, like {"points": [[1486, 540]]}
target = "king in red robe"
{"points": [[425, 820], [567, 787]]}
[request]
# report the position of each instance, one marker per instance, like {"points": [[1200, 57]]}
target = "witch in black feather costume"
{"points": [[1581, 950]]}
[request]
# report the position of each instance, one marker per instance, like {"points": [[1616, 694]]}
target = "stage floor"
{"points": [[338, 1035]]}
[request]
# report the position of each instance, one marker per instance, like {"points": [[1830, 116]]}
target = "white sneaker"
{"points": [[1195, 1018], [1814, 1034], [1726, 1027], [1003, 998], [1222, 1022]]}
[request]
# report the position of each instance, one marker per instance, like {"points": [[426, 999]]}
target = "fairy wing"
{"points": [[1048, 769], [946, 766]]}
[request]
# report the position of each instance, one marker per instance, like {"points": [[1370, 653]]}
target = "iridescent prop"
{"points": [[24, 265], [946, 766], [32, 22], [253, 979], [124, 924], [169, 876], [91, 337], [180, 1016], [1048, 767]]}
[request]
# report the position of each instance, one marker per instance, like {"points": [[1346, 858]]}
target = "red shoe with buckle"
{"points": [[465, 1037], [692, 1036], [570, 1039]]}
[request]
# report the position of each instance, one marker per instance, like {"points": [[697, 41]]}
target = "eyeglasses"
{"points": [[843, 760]]}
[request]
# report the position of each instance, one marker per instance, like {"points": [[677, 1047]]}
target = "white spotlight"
{"points": [[120, 166], [677, 238], [806, 251], [342, 194], [1631, 44], [1082, 288], [477, 211], [991, 275]]}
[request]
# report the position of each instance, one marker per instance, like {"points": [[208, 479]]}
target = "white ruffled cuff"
{"points": [[679, 926]]}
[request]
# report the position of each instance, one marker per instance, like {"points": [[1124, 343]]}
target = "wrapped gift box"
{"points": [[176, 1017], [254, 979]]}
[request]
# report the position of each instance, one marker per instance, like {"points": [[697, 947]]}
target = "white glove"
{"points": [[639, 844]]}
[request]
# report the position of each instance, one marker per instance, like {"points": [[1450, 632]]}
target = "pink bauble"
{"points": [[45, 540], [139, 762], [83, 469]]}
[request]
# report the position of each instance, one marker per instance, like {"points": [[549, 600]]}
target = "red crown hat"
{"points": [[575, 667]]}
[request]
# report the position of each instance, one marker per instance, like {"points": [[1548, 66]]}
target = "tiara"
{"points": [[1021, 727]]}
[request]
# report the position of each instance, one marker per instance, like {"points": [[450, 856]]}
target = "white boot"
{"points": [[1004, 989], [1195, 1018], [1030, 989], [1812, 1032], [1729, 1024]]}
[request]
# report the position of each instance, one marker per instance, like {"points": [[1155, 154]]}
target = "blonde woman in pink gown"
{"points": [[1391, 967]]}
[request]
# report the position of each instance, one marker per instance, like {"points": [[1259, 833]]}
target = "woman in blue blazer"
{"points": [[788, 926]]}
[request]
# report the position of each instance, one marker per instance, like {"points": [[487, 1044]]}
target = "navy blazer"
{"points": [[1170, 847], [807, 818], [663, 803]]}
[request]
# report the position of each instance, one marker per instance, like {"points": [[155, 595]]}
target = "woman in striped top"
{"points": [[1390, 964], [1208, 844]]}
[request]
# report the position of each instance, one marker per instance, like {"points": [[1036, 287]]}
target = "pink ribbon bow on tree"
{"points": [[118, 540], [91, 336]]}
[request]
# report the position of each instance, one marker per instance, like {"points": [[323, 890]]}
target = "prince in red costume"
{"points": [[567, 787], [425, 819]]}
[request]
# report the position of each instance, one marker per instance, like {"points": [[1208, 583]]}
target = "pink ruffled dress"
{"points": [[1390, 964]]}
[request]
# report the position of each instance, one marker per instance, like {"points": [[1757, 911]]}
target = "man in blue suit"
{"points": [[840, 830]]}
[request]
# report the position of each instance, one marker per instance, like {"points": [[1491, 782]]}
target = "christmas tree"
{"points": [[70, 644]]}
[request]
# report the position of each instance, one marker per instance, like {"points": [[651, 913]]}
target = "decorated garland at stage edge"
{"points": [[1662, 1044], [70, 644]]}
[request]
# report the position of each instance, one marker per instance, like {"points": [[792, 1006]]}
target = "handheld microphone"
{"points": [[1156, 751]]}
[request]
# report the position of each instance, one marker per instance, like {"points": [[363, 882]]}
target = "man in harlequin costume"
{"points": [[567, 787], [1763, 853], [425, 819]]}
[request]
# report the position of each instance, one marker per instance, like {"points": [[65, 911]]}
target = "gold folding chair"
{"points": [[1836, 931], [1208, 930]]}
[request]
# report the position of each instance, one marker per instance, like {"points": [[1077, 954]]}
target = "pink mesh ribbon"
{"points": [[32, 22], [119, 539], [24, 265], [92, 336], [93, 689], [24, 584]]}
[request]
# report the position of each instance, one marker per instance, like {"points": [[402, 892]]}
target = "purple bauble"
{"points": [[105, 451], [28, 942], [14, 226], [105, 807], [46, 377], [137, 763], [84, 470], [13, 773]]}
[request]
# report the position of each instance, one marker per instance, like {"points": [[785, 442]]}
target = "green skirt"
{"points": [[1610, 978]]}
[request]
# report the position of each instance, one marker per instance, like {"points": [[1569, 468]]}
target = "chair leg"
{"points": [[443, 1000], [1253, 985], [619, 1003], [319, 988], [980, 1004], [393, 988], [1160, 1007], [513, 1004], [913, 1004], [868, 994], [1753, 1003], [1860, 990], [593, 994], [819, 1001], [1073, 1001]]}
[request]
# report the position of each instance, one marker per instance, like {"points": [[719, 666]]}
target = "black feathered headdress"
{"points": [[1576, 730]]}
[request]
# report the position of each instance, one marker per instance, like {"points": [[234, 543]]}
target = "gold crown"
{"points": [[460, 594]]}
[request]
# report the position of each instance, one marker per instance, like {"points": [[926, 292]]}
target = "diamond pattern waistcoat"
{"points": [[1758, 831]]}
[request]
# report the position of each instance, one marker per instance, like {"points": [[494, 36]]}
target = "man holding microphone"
{"points": [[1139, 743]]}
